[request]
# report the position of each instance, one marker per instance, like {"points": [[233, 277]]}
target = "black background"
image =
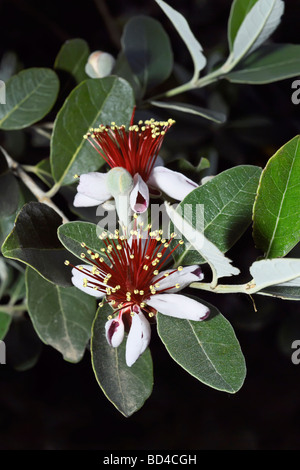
{"points": [[57, 405]]}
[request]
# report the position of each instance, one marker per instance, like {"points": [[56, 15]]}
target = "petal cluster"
{"points": [[135, 150], [129, 274]]}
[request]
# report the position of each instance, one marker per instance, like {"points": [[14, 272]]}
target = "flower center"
{"points": [[126, 270], [135, 149]]}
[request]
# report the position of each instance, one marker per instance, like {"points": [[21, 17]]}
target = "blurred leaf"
{"points": [[227, 201], [93, 102], [270, 63], [239, 11], [61, 316], [122, 69], [71, 60], [126, 387], [183, 29], [72, 234], [276, 213], [5, 321], [147, 49], [6, 276], [258, 25], [34, 241], [208, 350], [30, 95], [282, 292], [214, 116]]}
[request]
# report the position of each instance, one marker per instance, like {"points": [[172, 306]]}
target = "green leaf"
{"points": [[282, 292], [126, 387], [5, 321], [276, 214], [93, 102], [227, 202], [258, 25], [62, 316], [147, 48], [239, 11], [71, 59], [72, 234], [208, 350], [183, 29], [34, 241], [191, 109], [30, 95], [271, 63]]}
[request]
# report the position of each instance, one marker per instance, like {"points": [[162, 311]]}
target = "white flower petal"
{"points": [[114, 331], [179, 306], [139, 196], [78, 277], [184, 278], [91, 190], [138, 338], [171, 182]]}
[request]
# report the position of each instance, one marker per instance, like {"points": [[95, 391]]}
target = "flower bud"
{"points": [[119, 181], [99, 64]]}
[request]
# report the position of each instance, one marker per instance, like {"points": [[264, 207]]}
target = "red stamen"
{"points": [[136, 150], [126, 272]]}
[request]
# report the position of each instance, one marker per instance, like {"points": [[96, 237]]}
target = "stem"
{"points": [[248, 288], [11, 309], [33, 187]]}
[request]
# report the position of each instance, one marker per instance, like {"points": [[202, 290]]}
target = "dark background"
{"points": [[57, 405]]}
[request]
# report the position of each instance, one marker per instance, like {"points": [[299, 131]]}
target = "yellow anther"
{"points": [[180, 268], [119, 247], [145, 267], [155, 272], [177, 286], [151, 314], [141, 292], [136, 291], [82, 255], [131, 256], [67, 262], [142, 304]]}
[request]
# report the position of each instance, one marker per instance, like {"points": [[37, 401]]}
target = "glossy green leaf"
{"points": [[5, 321], [30, 95], [271, 63], [71, 59], [62, 316], [282, 292], [147, 49], [276, 215], [93, 102], [227, 201], [34, 241], [126, 387], [208, 350], [191, 109], [72, 234], [238, 12], [183, 29]]}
